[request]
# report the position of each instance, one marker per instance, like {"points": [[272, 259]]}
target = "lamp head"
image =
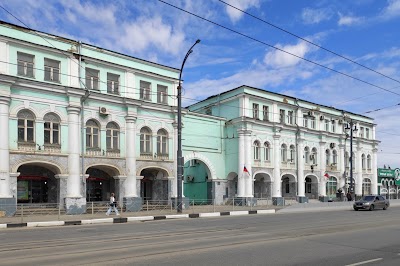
{"points": [[198, 40]]}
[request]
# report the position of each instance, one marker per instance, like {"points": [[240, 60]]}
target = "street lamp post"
{"points": [[352, 129], [179, 151]]}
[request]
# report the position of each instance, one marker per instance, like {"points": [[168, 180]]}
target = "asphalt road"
{"points": [[316, 238]]}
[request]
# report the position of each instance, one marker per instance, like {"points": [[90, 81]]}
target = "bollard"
{"points": [[92, 209], [233, 204], [59, 211], [213, 205]]}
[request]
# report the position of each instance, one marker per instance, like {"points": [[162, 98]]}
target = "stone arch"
{"points": [[205, 160], [139, 170], [110, 169], [157, 128], [264, 172], [14, 111], [63, 118], [50, 164], [311, 186], [139, 126], [288, 185]]}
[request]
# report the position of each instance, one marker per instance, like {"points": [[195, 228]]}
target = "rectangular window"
{"points": [[51, 70], [367, 133], [305, 120], [25, 64], [326, 125], [162, 94], [361, 132], [312, 120], [92, 78], [333, 126], [145, 89], [255, 111], [112, 83], [290, 118], [265, 113], [282, 116]]}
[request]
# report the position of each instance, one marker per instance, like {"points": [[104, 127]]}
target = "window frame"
{"points": [[52, 119], [26, 126], [112, 137], [52, 70], [145, 92], [145, 141], [25, 65], [162, 93], [256, 111], [113, 81], [162, 142], [91, 80], [91, 134]]}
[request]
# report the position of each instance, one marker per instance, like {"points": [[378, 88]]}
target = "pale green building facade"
{"points": [[79, 122]]}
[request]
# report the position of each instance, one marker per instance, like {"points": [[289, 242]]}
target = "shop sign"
{"points": [[22, 190], [389, 173]]}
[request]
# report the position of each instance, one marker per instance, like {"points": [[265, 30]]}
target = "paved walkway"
{"points": [[194, 212]]}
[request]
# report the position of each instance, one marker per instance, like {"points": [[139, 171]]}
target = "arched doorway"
{"points": [[37, 184], [288, 186], [154, 184], [311, 187], [100, 183], [262, 186], [232, 188], [197, 183]]}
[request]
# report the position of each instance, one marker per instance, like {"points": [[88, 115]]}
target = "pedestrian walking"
{"points": [[113, 205], [349, 197]]}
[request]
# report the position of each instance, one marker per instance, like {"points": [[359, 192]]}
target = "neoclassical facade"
{"points": [[79, 122]]}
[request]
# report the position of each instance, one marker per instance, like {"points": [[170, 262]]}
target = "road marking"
{"points": [[364, 262]]}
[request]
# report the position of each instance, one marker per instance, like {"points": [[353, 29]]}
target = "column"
{"points": [[374, 166], [241, 163], [5, 191], [359, 173], [130, 149], [174, 181], [74, 202], [277, 184], [322, 168], [342, 166], [300, 167], [74, 181], [131, 199], [248, 162]]}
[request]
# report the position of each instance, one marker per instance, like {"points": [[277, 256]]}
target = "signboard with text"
{"points": [[390, 173]]}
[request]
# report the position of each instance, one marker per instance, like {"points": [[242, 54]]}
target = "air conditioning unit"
{"points": [[310, 113], [340, 121], [103, 110], [322, 117], [190, 178], [332, 145]]}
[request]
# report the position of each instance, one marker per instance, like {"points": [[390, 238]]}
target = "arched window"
{"points": [[256, 148], [51, 129], [334, 157], [92, 134], [145, 140], [366, 186], [363, 162], [369, 162], [162, 142], [307, 155], [112, 138], [328, 157], [331, 186], [292, 154], [267, 150], [284, 153], [26, 126], [314, 155]]}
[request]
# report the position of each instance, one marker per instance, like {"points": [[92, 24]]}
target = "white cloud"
{"points": [[314, 16], [151, 32], [235, 14], [392, 9], [279, 59], [348, 20]]}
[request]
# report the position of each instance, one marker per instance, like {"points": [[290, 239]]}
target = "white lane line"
{"points": [[364, 262]]}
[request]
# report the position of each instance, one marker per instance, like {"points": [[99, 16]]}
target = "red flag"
{"points": [[326, 175], [245, 170]]}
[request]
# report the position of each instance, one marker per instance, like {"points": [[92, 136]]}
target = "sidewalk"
{"points": [[194, 212]]}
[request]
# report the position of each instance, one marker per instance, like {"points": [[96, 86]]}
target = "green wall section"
{"points": [[197, 189]]}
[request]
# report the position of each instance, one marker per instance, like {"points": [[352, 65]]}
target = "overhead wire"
{"points": [[308, 41], [279, 49]]}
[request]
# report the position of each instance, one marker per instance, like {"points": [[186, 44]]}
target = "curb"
{"points": [[118, 220]]}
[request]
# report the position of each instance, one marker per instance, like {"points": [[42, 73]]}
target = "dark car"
{"points": [[371, 202]]}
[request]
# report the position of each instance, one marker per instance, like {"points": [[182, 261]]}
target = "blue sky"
{"points": [[366, 31]]}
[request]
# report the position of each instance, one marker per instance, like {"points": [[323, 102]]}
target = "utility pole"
{"points": [[179, 157]]}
